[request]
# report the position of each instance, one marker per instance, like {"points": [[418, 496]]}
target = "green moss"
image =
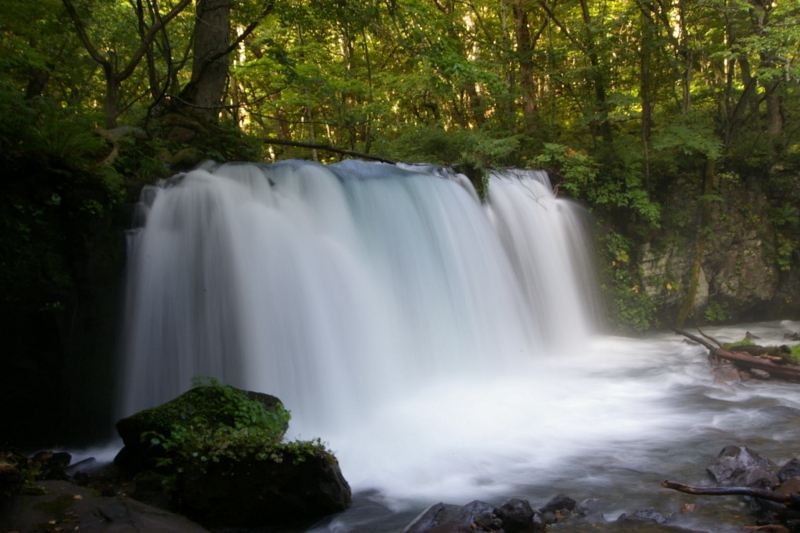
{"points": [[796, 351], [743, 342], [211, 422]]}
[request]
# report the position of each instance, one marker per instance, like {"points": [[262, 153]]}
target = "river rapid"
{"points": [[610, 420]]}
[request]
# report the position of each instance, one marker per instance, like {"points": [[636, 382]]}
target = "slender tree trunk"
{"points": [[644, 92], [688, 58], [597, 76], [212, 37], [525, 59]]}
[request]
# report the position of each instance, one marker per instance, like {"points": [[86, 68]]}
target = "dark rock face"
{"points": [[252, 492], [77, 508], [740, 466], [10, 480], [515, 515], [445, 518], [558, 503], [789, 470]]}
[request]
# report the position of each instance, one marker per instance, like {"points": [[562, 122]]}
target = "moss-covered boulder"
{"points": [[222, 449], [155, 438], [297, 482]]}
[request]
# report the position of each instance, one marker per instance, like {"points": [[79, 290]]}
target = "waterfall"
{"points": [[340, 287]]}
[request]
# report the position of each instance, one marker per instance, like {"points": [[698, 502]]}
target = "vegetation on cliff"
{"points": [[671, 120]]}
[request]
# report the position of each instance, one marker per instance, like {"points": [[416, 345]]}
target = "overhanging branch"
{"points": [[327, 148]]}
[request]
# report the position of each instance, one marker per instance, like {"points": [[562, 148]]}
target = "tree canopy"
{"points": [[618, 100]]}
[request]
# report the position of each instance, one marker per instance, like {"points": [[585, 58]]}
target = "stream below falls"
{"points": [[610, 421]]}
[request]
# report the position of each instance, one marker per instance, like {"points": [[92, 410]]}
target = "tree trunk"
{"points": [[525, 59], [212, 35]]}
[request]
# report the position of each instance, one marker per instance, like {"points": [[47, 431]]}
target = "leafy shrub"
{"points": [[215, 421]]}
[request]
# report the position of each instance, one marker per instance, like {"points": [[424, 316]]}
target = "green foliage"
{"points": [[615, 187], [796, 351], [688, 135], [785, 215], [577, 171], [633, 309], [717, 312], [785, 249], [215, 421]]}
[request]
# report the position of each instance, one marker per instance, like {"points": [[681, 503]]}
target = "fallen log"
{"points": [[789, 500], [695, 338], [772, 360], [742, 360]]}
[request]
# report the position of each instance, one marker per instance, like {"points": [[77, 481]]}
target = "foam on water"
{"points": [[445, 350]]}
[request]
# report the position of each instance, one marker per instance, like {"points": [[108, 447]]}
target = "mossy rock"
{"points": [[300, 482], [147, 434]]}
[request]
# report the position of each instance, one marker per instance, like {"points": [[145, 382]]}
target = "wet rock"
{"points": [[588, 507], [11, 480], [739, 465], [68, 507], [724, 375], [515, 515], [558, 503], [649, 514], [760, 374], [789, 470], [297, 486], [52, 465], [433, 516], [446, 518], [790, 486], [154, 489]]}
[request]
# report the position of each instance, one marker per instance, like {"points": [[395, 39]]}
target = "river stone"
{"points": [[790, 486], [558, 503], [516, 516], [739, 465], [789, 470], [446, 518]]}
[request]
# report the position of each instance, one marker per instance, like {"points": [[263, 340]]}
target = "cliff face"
{"points": [[750, 263]]}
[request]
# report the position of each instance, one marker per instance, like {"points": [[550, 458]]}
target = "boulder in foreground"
{"points": [[223, 448]]}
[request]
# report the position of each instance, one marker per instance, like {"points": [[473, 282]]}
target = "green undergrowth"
{"points": [[215, 422], [795, 350], [743, 342]]}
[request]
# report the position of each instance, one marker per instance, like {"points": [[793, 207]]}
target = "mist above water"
{"points": [[446, 350], [341, 288]]}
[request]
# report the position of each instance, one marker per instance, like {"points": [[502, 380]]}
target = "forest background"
{"points": [[673, 121]]}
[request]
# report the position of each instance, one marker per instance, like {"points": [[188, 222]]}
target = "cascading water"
{"points": [[442, 349], [338, 287]]}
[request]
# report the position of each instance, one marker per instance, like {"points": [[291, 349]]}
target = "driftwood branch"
{"points": [[695, 338], [789, 500], [327, 148], [709, 337], [764, 494]]}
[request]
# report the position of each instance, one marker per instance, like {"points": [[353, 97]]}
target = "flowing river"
{"points": [[444, 349]]}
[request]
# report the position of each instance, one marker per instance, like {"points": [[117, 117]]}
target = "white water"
{"points": [[444, 350]]}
